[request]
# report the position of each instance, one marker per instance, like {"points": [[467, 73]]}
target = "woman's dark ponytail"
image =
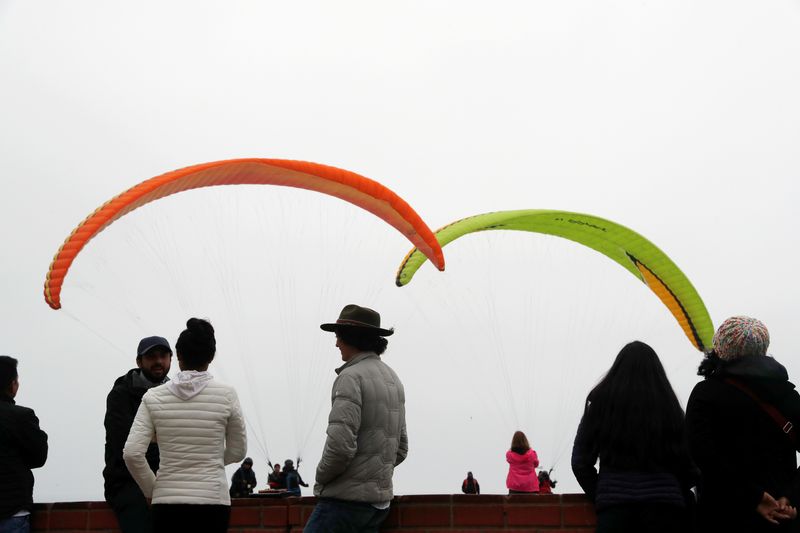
{"points": [[196, 344]]}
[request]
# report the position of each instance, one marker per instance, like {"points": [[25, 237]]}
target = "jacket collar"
{"points": [[139, 381], [134, 379], [763, 367], [4, 398], [357, 359]]}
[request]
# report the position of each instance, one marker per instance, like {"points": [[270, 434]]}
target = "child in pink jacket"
{"points": [[522, 463]]}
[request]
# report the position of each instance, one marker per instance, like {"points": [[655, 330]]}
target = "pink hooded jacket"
{"points": [[522, 471]]}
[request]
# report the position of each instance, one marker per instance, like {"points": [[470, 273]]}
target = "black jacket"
{"points": [[291, 479], [666, 484], [121, 406], [470, 486], [23, 446], [739, 448], [243, 483]]}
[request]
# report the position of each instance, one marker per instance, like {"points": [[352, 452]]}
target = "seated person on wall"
{"points": [[546, 485], [470, 485], [522, 462]]}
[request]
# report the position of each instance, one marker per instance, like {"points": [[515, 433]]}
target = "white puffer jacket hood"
{"points": [[189, 383]]}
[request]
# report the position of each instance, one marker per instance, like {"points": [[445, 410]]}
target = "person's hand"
{"points": [[767, 507], [785, 510]]}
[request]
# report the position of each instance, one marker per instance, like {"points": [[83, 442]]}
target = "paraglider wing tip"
{"points": [[54, 303], [438, 259]]}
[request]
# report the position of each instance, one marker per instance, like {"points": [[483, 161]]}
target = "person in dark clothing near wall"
{"points": [[23, 446], [470, 485], [274, 479], [742, 422], [291, 479], [634, 424], [153, 360], [244, 480]]}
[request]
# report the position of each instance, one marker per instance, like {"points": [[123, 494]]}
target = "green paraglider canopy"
{"points": [[638, 255]]}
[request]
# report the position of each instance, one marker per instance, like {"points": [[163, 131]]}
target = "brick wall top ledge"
{"points": [[434, 512], [405, 499], [423, 498]]}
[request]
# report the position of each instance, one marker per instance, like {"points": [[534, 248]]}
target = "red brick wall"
{"points": [[422, 514]]}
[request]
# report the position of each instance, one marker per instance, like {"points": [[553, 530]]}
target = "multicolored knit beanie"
{"points": [[741, 336]]}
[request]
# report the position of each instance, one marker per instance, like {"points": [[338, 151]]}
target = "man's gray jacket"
{"points": [[366, 432]]}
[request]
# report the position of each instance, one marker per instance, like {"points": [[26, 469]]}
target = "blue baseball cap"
{"points": [[148, 343]]}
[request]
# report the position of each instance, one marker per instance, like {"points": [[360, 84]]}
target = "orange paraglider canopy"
{"points": [[359, 190]]}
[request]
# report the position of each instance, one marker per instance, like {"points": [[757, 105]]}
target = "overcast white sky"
{"points": [[679, 119]]}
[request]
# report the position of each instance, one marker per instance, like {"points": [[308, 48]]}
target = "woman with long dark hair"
{"points": [[634, 424], [199, 427], [522, 462]]}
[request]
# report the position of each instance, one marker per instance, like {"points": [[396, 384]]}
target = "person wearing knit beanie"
{"points": [[744, 413], [741, 336]]}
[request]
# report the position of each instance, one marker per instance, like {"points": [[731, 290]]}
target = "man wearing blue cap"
{"points": [[153, 359]]}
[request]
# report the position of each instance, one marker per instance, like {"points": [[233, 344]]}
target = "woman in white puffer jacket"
{"points": [[199, 427]]}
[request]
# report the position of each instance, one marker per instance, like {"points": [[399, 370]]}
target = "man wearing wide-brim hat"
{"points": [[366, 429]]}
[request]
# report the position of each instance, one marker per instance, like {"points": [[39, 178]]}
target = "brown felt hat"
{"points": [[358, 317]]}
